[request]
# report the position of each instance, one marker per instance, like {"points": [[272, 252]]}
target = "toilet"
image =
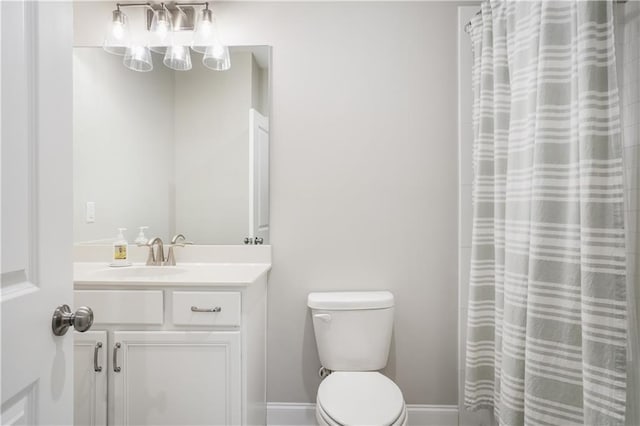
{"points": [[353, 335]]}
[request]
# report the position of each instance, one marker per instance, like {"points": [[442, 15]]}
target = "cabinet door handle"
{"points": [[97, 368], [196, 309], [115, 357]]}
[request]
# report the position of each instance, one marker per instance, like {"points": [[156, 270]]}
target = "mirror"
{"points": [[177, 151]]}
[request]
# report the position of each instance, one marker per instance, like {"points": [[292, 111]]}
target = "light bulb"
{"points": [[205, 28], [161, 24], [117, 38], [217, 51], [163, 29], [117, 30], [205, 32]]}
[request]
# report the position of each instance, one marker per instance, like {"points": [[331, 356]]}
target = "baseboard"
{"points": [[290, 414], [432, 415], [302, 414]]}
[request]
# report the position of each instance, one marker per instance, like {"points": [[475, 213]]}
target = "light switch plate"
{"points": [[90, 212]]}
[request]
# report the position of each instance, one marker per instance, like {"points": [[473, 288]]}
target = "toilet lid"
{"points": [[360, 398]]}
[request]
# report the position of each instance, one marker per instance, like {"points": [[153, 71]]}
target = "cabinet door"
{"points": [[176, 378], [90, 378]]}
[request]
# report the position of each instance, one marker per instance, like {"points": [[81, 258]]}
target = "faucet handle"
{"points": [[176, 240], [146, 244]]}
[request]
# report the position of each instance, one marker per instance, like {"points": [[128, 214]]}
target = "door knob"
{"points": [[63, 318]]}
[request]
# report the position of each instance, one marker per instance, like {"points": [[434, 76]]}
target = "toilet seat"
{"points": [[360, 398], [325, 420]]}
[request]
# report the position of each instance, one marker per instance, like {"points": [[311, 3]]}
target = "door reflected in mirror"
{"points": [[176, 151]]}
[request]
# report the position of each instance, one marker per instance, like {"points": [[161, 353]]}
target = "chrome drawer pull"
{"points": [[97, 368], [196, 309], [115, 357]]}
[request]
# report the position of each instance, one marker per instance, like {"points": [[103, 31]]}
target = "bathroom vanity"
{"points": [[183, 344], [173, 345]]}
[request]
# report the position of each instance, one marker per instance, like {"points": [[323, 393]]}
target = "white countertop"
{"points": [[183, 274]]}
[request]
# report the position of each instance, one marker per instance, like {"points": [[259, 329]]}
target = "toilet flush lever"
{"points": [[323, 317]]}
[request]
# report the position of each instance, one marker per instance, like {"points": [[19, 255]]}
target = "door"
{"points": [[36, 199], [176, 378], [258, 177], [90, 378]]}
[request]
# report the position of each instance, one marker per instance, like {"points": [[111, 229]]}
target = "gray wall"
{"points": [[363, 175]]}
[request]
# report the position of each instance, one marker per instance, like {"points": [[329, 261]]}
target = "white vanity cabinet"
{"points": [[172, 354], [177, 378]]}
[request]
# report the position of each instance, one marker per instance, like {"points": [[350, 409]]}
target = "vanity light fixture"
{"points": [[164, 21]]}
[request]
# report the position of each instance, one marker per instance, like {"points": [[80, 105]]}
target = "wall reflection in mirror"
{"points": [[177, 152]]}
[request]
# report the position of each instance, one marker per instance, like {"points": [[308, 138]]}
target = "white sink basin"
{"points": [[140, 272]]}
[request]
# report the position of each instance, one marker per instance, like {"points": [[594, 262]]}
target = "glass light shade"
{"points": [[158, 47], [217, 58], [118, 37], [138, 58], [161, 30], [178, 58], [205, 33]]}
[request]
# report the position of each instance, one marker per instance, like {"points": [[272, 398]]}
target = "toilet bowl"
{"points": [[360, 398], [353, 334]]}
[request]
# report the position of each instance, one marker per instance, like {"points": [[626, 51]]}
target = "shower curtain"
{"points": [[547, 316]]}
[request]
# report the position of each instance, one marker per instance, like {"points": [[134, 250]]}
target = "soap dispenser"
{"points": [[120, 250], [141, 239]]}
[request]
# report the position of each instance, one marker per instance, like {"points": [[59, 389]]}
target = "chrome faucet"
{"points": [[177, 241], [155, 258]]}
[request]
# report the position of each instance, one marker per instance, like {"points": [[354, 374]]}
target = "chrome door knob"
{"points": [[63, 318]]}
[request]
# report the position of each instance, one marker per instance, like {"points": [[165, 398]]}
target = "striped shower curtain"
{"points": [[546, 337]]}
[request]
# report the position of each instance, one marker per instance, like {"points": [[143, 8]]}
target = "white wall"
{"points": [[363, 175], [127, 163], [212, 151]]}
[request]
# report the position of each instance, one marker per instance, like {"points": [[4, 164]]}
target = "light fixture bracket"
{"points": [[183, 14]]}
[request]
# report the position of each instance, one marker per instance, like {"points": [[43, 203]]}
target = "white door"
{"points": [[90, 379], [36, 194], [176, 378], [258, 177]]}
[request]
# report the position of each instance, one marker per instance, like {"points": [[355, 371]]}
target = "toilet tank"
{"points": [[353, 329]]}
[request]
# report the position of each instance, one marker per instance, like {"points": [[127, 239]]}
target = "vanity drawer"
{"points": [[217, 308], [123, 306]]}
